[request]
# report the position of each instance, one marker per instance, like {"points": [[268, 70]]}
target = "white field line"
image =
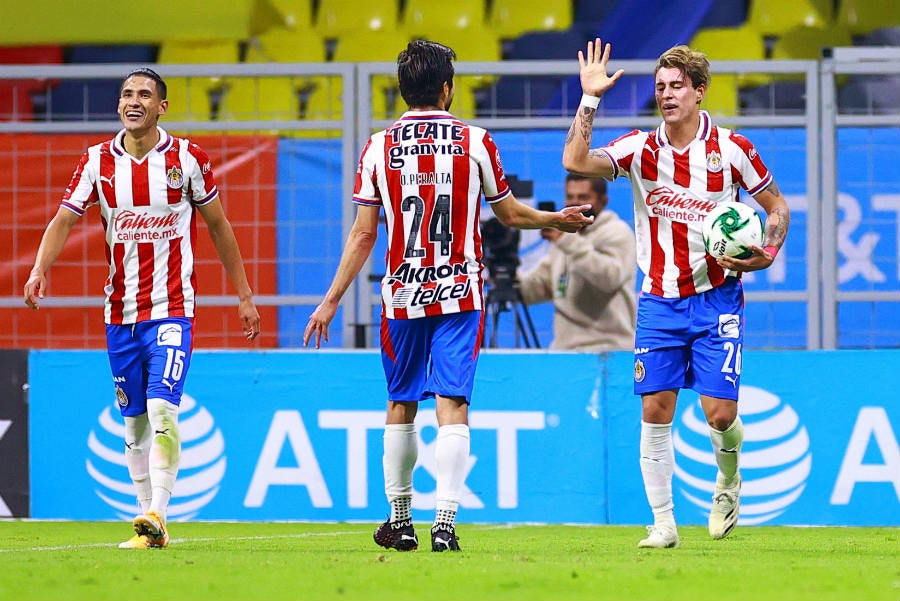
{"points": [[242, 538], [184, 540]]}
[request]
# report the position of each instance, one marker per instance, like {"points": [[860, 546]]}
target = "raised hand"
{"points": [[594, 78]]}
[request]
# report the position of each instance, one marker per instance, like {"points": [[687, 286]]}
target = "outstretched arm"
{"points": [[577, 156], [357, 249], [52, 243], [513, 213], [222, 235]]}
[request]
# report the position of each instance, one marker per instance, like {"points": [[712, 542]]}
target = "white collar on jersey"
{"points": [[165, 141], [703, 132], [412, 115]]}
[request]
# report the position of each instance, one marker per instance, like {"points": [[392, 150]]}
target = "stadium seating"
{"points": [[378, 46], [279, 98], [436, 16], [520, 95], [337, 18], [510, 18], [803, 42], [195, 98], [862, 16], [729, 43], [296, 14], [18, 97], [725, 13], [91, 99], [775, 17]]}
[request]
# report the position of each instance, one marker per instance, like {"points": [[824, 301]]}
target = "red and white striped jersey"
{"points": [[673, 191], [428, 171], [147, 208]]}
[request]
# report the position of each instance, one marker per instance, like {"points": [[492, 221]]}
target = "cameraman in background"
{"points": [[589, 276]]}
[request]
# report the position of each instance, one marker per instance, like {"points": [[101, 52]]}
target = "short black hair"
{"points": [[422, 70], [597, 183], [148, 72]]}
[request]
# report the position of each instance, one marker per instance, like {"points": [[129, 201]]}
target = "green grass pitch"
{"points": [[307, 561]]}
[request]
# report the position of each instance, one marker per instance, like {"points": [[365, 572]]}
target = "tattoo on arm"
{"points": [[776, 227], [586, 122], [773, 188]]}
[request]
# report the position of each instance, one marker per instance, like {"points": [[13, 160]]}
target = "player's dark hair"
{"points": [[150, 73], [422, 70], [598, 184]]}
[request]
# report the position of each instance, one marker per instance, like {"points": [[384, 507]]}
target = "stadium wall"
{"points": [[296, 435]]}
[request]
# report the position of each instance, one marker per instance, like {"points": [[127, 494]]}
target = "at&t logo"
{"points": [[200, 474], [775, 457]]}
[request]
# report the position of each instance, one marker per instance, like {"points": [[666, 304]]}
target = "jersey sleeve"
{"points": [[82, 189], [365, 186], [484, 151], [621, 152], [203, 182], [753, 175]]}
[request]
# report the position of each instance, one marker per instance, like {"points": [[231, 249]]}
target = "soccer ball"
{"points": [[730, 229]]}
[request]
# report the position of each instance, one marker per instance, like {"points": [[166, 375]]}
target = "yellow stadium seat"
{"points": [[376, 46], [190, 98], [282, 97], [336, 18], [439, 15], [804, 42], [729, 43], [297, 14], [775, 17], [510, 18], [862, 16]]}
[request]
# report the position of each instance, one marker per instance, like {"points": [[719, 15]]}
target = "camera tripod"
{"points": [[507, 297]]}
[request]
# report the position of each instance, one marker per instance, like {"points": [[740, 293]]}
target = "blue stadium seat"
{"points": [[94, 99], [517, 95]]}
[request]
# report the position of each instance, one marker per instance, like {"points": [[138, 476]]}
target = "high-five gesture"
{"points": [[594, 79]]}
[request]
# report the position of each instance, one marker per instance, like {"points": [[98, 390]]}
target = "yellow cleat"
{"points": [[138, 541], [152, 526]]}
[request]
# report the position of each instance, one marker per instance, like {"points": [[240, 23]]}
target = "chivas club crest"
{"points": [[174, 178], [714, 162]]}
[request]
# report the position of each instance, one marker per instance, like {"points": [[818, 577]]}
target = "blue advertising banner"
{"points": [[297, 436]]}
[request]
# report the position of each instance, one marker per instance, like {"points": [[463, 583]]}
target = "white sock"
{"points": [[657, 467], [165, 452], [137, 458], [451, 458], [401, 449], [727, 448]]}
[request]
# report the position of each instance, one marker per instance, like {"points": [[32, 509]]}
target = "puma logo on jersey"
{"points": [[108, 180]]}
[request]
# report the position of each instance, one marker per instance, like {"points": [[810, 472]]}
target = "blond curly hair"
{"points": [[692, 63]]}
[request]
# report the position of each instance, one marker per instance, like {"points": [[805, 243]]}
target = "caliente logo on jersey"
{"points": [[200, 474], [775, 457]]}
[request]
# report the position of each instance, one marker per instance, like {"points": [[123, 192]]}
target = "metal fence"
{"points": [[800, 304]]}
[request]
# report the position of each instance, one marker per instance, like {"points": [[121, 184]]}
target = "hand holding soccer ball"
{"points": [[731, 229]]}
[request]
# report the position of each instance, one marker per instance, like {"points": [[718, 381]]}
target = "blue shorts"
{"points": [[694, 342], [149, 360], [431, 355]]}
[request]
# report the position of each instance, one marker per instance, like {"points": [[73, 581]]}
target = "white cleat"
{"points": [[660, 537], [724, 513]]}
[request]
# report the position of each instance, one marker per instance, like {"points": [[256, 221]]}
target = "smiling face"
{"points": [[140, 105], [677, 98]]}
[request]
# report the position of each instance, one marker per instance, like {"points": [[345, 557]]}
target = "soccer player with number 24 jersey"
{"points": [[427, 172]]}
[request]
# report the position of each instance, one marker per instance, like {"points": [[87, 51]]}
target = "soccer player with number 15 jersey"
{"points": [[149, 186], [427, 172]]}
